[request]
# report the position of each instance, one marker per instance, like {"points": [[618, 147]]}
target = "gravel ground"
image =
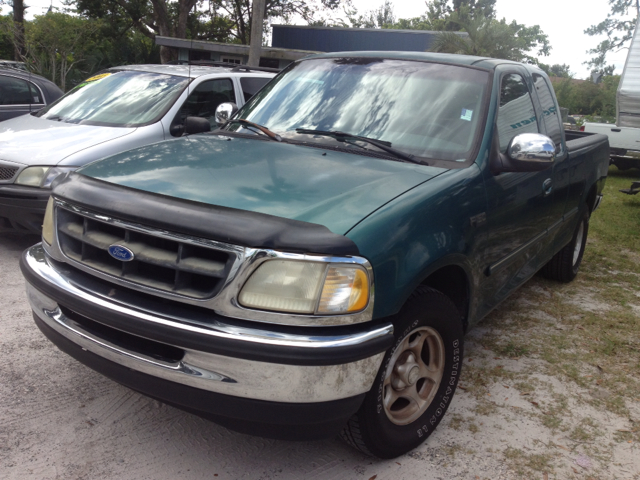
{"points": [[60, 420]]}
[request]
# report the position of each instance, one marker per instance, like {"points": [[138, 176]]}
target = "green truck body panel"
{"points": [[408, 220], [333, 189]]}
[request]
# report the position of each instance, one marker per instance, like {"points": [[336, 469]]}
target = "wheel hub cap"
{"points": [[413, 376]]}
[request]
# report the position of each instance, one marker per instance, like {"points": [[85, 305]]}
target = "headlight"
{"points": [[40, 176], [306, 288], [32, 176], [47, 225]]}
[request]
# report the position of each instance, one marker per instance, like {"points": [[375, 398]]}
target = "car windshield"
{"points": [[426, 110], [118, 99]]}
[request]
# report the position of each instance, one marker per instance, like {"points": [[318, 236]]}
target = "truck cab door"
{"points": [[563, 171], [519, 204]]}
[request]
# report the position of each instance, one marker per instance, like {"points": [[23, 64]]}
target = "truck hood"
{"points": [[30, 140], [334, 189]]}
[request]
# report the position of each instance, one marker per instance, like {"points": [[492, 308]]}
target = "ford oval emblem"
{"points": [[121, 253]]}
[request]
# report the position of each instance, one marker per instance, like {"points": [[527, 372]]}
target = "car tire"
{"points": [[565, 264], [416, 381]]}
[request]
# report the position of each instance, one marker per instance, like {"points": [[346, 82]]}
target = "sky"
{"points": [[564, 21]]}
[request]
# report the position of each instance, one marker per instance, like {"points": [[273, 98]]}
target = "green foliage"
{"points": [[223, 20], [587, 98], [618, 27], [556, 70], [489, 37], [54, 44], [451, 15], [382, 17], [6, 43]]}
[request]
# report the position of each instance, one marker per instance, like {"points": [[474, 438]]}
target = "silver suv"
{"points": [[117, 110]]}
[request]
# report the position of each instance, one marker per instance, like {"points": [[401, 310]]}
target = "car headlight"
{"points": [[47, 224], [40, 176], [307, 288]]}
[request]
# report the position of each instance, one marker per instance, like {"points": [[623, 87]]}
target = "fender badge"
{"points": [[121, 253]]}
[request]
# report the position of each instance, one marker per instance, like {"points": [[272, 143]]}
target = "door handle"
{"points": [[547, 186], [616, 130]]}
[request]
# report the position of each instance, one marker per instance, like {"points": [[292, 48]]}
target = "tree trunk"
{"points": [[18, 19], [257, 21], [161, 17], [165, 27], [184, 7]]}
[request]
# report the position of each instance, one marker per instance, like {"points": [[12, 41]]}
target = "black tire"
{"points": [[383, 430], [565, 264]]}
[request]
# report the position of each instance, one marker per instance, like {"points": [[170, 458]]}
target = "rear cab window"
{"points": [[551, 116]]}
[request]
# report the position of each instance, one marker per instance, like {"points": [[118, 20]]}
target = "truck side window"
{"points": [[516, 114], [551, 118], [205, 98]]}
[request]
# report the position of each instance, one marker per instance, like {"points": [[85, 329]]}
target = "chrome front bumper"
{"points": [[225, 374]]}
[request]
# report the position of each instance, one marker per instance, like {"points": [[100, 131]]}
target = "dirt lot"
{"points": [[550, 389]]}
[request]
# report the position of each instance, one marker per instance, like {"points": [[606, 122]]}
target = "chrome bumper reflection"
{"points": [[211, 372]]}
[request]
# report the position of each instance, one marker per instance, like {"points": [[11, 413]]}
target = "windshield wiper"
{"points": [[265, 130], [381, 144]]}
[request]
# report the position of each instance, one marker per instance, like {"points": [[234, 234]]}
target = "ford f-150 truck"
{"points": [[311, 266]]}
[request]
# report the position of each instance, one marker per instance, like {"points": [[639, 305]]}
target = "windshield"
{"points": [[118, 99], [423, 109]]}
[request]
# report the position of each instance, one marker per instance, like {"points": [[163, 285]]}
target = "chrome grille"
{"points": [[160, 262], [7, 173]]}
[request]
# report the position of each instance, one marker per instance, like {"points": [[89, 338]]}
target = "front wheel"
{"points": [[416, 381], [565, 264]]}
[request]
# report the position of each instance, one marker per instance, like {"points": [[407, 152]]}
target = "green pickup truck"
{"points": [[311, 266]]}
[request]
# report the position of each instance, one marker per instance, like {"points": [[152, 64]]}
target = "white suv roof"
{"points": [[195, 71]]}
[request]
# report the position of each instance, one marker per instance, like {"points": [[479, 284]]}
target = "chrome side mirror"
{"points": [[532, 147], [224, 112], [527, 152]]}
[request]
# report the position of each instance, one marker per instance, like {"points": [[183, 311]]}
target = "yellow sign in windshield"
{"points": [[97, 77]]}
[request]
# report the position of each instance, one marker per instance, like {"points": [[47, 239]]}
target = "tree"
{"points": [[447, 14], [489, 37], [151, 18], [618, 28], [224, 20], [382, 17], [584, 97], [6, 40], [239, 12], [556, 70], [18, 7], [55, 43]]}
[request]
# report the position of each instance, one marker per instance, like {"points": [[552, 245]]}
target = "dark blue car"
{"points": [[22, 92]]}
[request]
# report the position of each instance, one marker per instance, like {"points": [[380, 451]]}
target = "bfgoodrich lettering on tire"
{"points": [[416, 381]]}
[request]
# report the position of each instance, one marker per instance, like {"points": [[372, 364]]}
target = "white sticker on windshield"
{"points": [[466, 115]]}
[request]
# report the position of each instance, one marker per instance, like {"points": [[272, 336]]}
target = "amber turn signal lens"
{"points": [[345, 290]]}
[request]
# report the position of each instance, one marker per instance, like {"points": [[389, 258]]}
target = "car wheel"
{"points": [[565, 264], [416, 381]]}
